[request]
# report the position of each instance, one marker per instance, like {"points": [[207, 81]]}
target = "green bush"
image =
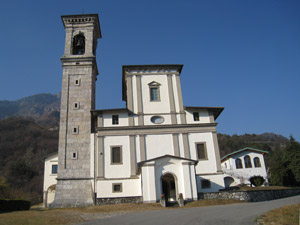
{"points": [[14, 205], [257, 180]]}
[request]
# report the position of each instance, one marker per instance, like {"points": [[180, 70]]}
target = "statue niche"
{"points": [[78, 44]]}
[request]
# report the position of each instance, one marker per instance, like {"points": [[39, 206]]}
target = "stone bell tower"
{"points": [[75, 177]]}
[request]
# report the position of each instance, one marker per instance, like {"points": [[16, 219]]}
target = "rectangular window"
{"points": [[154, 95], [75, 130], [54, 169], [205, 184], [74, 155], [196, 116], [115, 119], [77, 82], [76, 105], [117, 187], [116, 155], [201, 151]]}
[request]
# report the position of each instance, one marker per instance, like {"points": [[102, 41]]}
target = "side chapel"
{"points": [[154, 146]]}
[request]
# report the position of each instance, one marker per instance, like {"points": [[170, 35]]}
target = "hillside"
{"points": [[24, 146], [266, 141]]}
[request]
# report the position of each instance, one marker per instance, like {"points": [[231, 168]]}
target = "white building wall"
{"points": [[189, 184], [107, 119], [148, 183], [167, 119], [246, 172], [203, 117], [116, 170], [137, 148], [204, 166], [134, 93], [162, 106], [216, 181], [181, 147], [92, 159], [130, 188], [158, 145], [49, 178], [176, 96]]}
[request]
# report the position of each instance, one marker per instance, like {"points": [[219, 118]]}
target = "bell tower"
{"points": [[75, 169]]}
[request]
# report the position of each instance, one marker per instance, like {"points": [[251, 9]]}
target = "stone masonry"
{"points": [[74, 183], [251, 196]]}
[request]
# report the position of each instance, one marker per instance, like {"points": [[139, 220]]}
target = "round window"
{"points": [[157, 119]]}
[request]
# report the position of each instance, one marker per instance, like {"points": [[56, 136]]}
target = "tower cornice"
{"points": [[84, 19]]}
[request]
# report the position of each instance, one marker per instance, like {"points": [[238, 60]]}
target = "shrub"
{"points": [[257, 180], [14, 205]]}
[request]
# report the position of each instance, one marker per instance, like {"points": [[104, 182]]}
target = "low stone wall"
{"points": [[107, 201], [251, 196]]}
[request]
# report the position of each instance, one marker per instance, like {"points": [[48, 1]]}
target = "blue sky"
{"points": [[242, 55]]}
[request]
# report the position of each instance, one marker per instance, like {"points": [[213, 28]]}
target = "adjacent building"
{"points": [[240, 165]]}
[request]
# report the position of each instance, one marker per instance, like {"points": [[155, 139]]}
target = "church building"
{"points": [[154, 146]]}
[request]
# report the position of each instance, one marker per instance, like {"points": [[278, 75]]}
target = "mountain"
{"points": [[43, 108]]}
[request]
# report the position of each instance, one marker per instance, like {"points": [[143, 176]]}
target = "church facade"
{"points": [[154, 146]]}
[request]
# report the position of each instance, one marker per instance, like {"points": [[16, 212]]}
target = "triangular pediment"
{"points": [[154, 83], [166, 158]]}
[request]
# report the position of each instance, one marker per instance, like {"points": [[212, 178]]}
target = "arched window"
{"points": [[247, 161], [238, 164], [78, 44], [256, 162]]}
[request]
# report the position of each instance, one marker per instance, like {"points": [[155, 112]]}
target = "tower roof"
{"points": [[83, 19]]}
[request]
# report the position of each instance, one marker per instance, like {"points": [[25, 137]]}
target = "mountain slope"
{"points": [[43, 108]]}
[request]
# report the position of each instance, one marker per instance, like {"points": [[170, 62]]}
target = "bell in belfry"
{"points": [[78, 45]]}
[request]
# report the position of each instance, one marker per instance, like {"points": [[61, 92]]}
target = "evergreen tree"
{"points": [[292, 159], [285, 165]]}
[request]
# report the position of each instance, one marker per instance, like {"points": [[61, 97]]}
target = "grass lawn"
{"points": [[38, 216], [287, 215]]}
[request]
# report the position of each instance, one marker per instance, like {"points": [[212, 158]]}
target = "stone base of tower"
{"points": [[73, 193]]}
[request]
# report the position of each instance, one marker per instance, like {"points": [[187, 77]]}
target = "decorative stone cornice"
{"points": [[157, 129], [83, 19]]}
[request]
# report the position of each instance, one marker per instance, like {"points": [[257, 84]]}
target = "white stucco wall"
{"points": [[116, 170], [107, 119], [181, 147], [176, 95], [130, 187], [245, 172], [134, 93], [162, 106], [204, 166], [148, 183], [49, 178], [203, 117], [166, 118], [216, 181], [158, 145]]}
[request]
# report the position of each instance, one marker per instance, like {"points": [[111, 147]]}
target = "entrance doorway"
{"points": [[169, 187]]}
